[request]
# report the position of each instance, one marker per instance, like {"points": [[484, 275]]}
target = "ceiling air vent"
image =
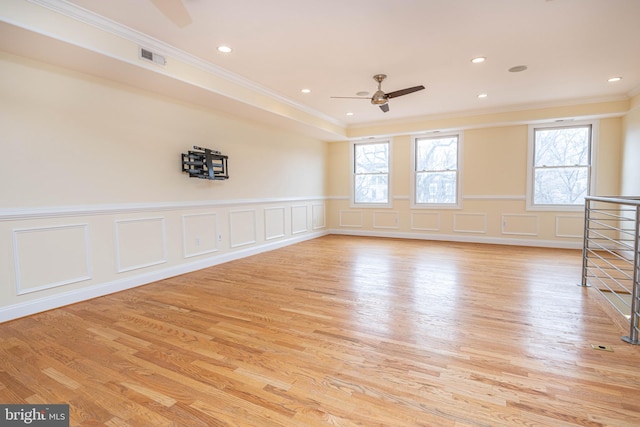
{"points": [[153, 57]]}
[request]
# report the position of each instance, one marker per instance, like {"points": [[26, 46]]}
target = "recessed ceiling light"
{"points": [[224, 49], [614, 79], [349, 114], [482, 95], [517, 68], [306, 91], [479, 60]]}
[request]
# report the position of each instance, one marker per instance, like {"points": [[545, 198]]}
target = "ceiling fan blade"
{"points": [[406, 91], [384, 108], [174, 10]]}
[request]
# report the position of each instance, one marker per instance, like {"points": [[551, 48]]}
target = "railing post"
{"points": [[585, 243], [635, 293]]}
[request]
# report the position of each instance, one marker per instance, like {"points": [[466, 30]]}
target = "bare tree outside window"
{"points": [[371, 173], [561, 166], [436, 167]]}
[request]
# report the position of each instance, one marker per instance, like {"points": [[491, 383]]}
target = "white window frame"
{"points": [[352, 147], [593, 150], [414, 173]]}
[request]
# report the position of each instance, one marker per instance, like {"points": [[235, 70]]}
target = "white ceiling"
{"points": [[334, 47]]}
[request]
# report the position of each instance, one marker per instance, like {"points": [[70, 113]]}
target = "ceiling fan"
{"points": [[174, 10], [380, 98]]}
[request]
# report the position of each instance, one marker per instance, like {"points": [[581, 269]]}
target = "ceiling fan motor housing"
{"points": [[379, 98]]}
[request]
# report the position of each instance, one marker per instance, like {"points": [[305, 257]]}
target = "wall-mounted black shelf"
{"points": [[204, 163]]}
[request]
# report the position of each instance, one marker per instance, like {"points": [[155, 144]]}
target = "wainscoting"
{"points": [[60, 256], [481, 219]]}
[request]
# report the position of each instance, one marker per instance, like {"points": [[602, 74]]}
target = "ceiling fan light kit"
{"points": [[380, 98]]}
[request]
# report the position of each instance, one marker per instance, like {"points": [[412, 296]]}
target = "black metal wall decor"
{"points": [[205, 164]]}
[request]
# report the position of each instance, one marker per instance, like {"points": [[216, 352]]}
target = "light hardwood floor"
{"points": [[339, 331]]}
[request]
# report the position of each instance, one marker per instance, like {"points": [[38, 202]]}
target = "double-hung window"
{"points": [[370, 180], [560, 161], [436, 171]]}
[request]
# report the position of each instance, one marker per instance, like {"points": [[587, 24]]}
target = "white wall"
{"points": [[93, 199]]}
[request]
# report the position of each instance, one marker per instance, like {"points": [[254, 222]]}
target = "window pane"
{"points": [[566, 186], [371, 189], [436, 187], [371, 158], [437, 154], [562, 147]]}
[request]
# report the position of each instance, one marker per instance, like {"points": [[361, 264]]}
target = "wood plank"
{"points": [[337, 331]]}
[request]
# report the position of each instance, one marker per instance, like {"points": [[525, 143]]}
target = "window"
{"points": [[560, 165], [370, 180], [436, 171]]}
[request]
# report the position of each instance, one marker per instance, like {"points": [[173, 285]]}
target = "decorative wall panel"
{"points": [[47, 257], [140, 243], [299, 219], [385, 220], [425, 221], [199, 234], [470, 223], [242, 226], [274, 223], [319, 216], [521, 225]]}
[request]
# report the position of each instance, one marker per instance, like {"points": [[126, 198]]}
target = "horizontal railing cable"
{"points": [[610, 254], [612, 240]]}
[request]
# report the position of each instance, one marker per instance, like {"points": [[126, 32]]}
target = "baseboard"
{"points": [[39, 305], [461, 238]]}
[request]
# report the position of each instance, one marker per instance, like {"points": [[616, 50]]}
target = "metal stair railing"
{"points": [[611, 257]]}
